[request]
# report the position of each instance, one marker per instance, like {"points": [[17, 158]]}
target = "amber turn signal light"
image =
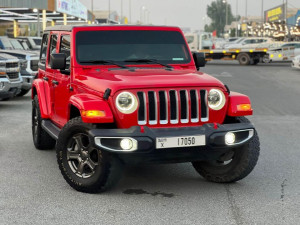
{"points": [[93, 113], [244, 107]]}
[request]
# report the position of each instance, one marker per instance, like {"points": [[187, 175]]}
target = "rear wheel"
{"points": [[41, 139], [244, 59], [235, 164], [84, 167]]}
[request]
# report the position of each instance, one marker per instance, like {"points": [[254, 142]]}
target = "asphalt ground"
{"points": [[33, 191]]}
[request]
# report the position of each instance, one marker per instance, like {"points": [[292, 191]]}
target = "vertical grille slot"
{"points": [[173, 106], [142, 108], [163, 107], [194, 106], [204, 109], [184, 107], [152, 107]]}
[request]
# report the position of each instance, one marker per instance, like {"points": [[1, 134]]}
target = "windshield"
{"points": [[239, 40], [25, 46], [6, 44], [120, 46], [16, 44]]}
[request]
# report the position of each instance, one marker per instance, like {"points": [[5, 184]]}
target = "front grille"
{"points": [[173, 106], [34, 65], [13, 76], [12, 64]]}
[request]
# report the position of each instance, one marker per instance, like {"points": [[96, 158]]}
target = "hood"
{"points": [[121, 79], [20, 54], [4, 56]]}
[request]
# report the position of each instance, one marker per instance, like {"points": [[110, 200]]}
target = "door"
{"points": [[49, 75], [62, 82]]}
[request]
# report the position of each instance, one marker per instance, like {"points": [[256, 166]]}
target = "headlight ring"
{"points": [[126, 102], [216, 99]]}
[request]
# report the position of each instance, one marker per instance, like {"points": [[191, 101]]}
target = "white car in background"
{"points": [[296, 62], [257, 42]]}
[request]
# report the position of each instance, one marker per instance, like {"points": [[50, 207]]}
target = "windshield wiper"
{"points": [[149, 61], [105, 62]]}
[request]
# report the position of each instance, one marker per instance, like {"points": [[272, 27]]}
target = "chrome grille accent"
{"points": [[173, 106], [194, 106], [142, 112], [163, 107], [13, 76], [204, 108], [12, 64]]}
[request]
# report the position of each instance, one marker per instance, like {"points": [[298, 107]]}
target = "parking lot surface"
{"points": [[34, 192]]}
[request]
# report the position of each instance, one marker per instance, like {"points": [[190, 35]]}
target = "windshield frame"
{"points": [[76, 63]]}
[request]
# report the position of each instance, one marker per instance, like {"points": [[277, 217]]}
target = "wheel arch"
{"points": [[39, 91], [235, 100], [81, 103]]}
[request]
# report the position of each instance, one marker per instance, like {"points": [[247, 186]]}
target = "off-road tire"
{"points": [[23, 92], [243, 161], [107, 172], [41, 139], [244, 59]]}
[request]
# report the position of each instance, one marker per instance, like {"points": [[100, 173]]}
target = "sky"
{"points": [[182, 13]]}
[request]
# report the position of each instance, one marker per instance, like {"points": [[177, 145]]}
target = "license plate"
{"points": [[179, 142]]}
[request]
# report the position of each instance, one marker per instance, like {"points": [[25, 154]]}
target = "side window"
{"points": [[247, 42], [65, 48], [52, 47], [44, 47]]}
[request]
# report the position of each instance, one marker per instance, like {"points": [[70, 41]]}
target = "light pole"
{"points": [[246, 17], [225, 2], [143, 8], [236, 19], [121, 11], [108, 19], [129, 11]]}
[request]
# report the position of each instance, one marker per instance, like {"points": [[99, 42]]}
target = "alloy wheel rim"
{"points": [[83, 159]]}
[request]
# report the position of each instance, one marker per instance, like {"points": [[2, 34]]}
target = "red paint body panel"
{"points": [[38, 85], [236, 99], [91, 102]]}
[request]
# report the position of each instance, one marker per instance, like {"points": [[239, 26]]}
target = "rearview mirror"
{"points": [[58, 61], [199, 59]]}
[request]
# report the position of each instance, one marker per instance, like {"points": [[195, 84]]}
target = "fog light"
{"points": [[126, 144], [230, 138]]}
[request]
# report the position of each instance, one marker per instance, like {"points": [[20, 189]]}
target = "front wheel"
{"points": [[84, 167], [235, 164]]}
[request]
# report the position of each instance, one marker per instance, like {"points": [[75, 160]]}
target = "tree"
{"points": [[216, 11]]}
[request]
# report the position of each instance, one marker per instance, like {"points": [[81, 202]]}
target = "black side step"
{"points": [[51, 128]]}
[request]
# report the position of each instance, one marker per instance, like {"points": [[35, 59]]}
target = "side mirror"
{"points": [[58, 61], [199, 59]]}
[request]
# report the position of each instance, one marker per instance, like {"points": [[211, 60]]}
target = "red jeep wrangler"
{"points": [[114, 95]]}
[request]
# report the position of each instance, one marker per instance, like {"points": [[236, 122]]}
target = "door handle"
{"points": [[45, 78], [55, 82]]}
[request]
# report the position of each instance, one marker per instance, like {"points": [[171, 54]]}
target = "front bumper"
{"points": [[147, 150], [27, 81], [9, 89]]}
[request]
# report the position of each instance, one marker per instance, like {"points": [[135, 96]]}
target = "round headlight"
{"points": [[126, 102], [216, 99]]}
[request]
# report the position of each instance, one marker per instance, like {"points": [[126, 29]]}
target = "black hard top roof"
{"points": [[70, 27]]}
